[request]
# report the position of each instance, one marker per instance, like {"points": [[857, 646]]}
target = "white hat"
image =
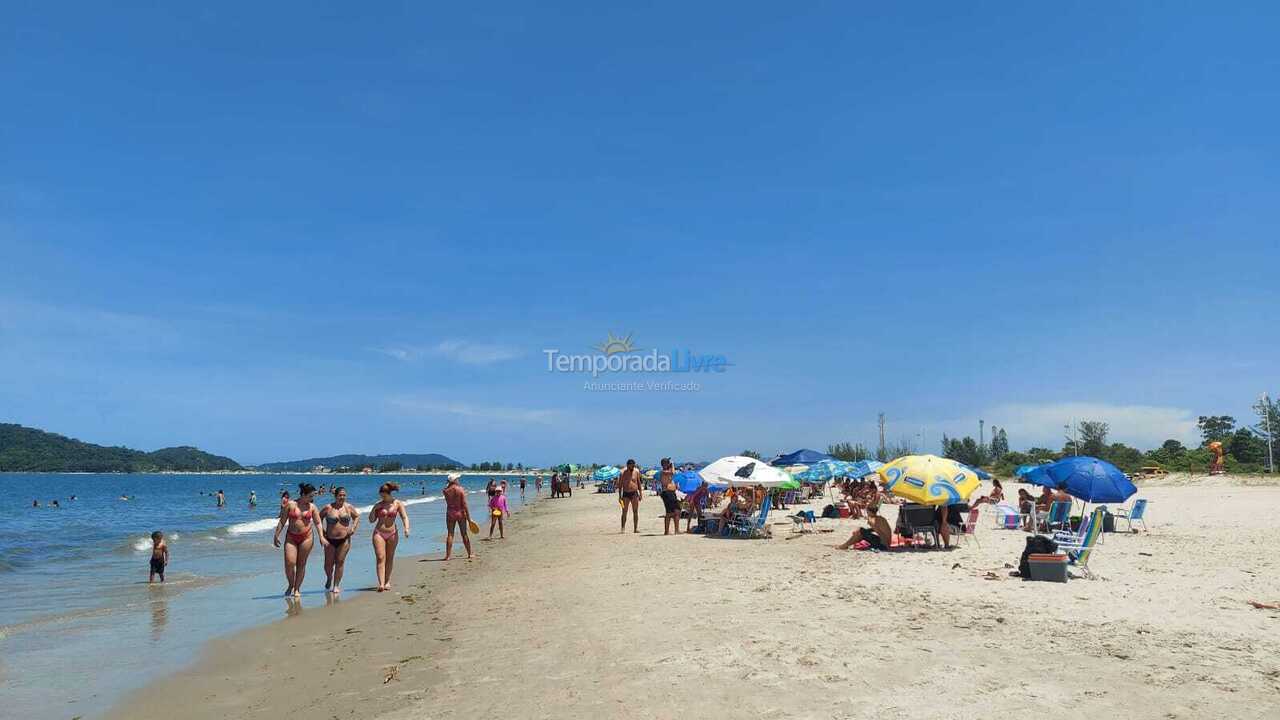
{"points": [[455, 476]]}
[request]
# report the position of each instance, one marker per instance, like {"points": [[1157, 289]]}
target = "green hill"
{"points": [[406, 460], [24, 449]]}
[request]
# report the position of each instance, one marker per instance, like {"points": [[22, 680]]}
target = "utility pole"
{"points": [[982, 439], [1266, 419], [880, 421]]}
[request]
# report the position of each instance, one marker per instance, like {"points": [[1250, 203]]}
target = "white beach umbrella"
{"points": [[741, 471]]}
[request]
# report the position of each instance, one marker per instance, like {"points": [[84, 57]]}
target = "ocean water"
{"points": [[80, 626]]}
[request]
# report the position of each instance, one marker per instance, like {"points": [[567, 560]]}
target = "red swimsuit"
{"points": [[297, 538]]}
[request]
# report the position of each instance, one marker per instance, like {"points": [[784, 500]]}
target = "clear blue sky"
{"points": [[277, 232]]}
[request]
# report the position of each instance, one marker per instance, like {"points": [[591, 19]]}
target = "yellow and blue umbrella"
{"points": [[929, 480]]}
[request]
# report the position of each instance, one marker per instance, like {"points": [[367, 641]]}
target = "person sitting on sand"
{"points": [[341, 521], [383, 515], [877, 535], [299, 517], [456, 514]]}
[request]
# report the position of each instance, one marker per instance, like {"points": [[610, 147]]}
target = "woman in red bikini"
{"points": [[299, 516], [385, 538]]}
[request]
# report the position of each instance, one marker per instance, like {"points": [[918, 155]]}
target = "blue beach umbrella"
{"points": [[824, 470], [800, 457], [689, 480], [863, 468], [1084, 477], [982, 474], [608, 472], [1022, 470]]}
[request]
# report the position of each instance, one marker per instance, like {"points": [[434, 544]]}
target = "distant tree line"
{"points": [[24, 449]]}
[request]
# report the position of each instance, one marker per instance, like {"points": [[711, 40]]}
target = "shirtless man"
{"points": [[629, 484], [456, 514], [878, 536]]}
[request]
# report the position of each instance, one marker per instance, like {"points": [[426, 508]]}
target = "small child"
{"points": [[159, 556], [497, 511]]}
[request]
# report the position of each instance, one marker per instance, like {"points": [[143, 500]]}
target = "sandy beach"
{"points": [[568, 618]]}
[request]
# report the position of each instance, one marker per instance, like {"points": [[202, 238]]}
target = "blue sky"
{"points": [[289, 231]]}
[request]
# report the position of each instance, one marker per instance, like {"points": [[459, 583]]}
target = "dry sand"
{"points": [[569, 619]]}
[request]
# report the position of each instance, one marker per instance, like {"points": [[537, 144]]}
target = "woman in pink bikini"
{"points": [[385, 538], [299, 516]]}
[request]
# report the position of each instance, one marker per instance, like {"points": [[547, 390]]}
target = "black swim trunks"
{"points": [[630, 495], [670, 501], [157, 566], [873, 539]]}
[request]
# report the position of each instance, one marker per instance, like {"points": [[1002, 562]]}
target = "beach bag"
{"points": [[830, 511], [1036, 545]]}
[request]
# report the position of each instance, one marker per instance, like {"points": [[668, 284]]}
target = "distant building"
{"points": [[319, 469], [367, 470]]}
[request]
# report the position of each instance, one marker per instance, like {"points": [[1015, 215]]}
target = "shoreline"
{"points": [[569, 618]]}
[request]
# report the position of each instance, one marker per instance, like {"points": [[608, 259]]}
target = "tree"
{"points": [[1247, 448], [1173, 448], [751, 454], [1216, 427], [999, 443], [389, 467], [848, 452], [1093, 437], [965, 451]]}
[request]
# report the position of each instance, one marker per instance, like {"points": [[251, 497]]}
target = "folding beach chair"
{"points": [[1079, 553], [803, 521], [746, 527], [1137, 512], [1059, 515], [969, 526], [919, 520]]}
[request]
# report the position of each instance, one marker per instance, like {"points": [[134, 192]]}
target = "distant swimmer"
{"points": [[522, 484], [125, 498], [35, 503], [253, 499], [341, 521], [159, 556], [222, 499], [299, 517], [54, 503], [456, 514], [383, 515], [629, 486]]}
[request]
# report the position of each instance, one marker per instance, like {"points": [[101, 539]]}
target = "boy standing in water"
{"points": [[159, 556]]}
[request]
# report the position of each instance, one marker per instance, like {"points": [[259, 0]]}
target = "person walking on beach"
{"points": [[522, 484], [456, 514], [670, 501], [299, 517], [385, 538], [341, 521], [537, 485], [498, 511], [159, 556], [629, 485]]}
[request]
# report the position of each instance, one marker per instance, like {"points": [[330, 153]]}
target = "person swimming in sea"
{"points": [[341, 521], [383, 515], [456, 514], [299, 517], [159, 556], [253, 499], [222, 499]]}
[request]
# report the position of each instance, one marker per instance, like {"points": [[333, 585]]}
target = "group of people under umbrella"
{"points": [[924, 480]]}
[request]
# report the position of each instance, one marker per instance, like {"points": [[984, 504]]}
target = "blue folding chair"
{"points": [[1137, 512], [746, 527]]}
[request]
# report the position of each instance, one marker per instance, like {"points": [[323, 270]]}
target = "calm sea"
{"points": [[79, 625]]}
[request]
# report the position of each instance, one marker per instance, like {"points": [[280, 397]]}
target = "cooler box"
{"points": [[844, 512], [1048, 568]]}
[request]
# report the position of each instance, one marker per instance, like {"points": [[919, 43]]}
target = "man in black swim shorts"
{"points": [[629, 496]]}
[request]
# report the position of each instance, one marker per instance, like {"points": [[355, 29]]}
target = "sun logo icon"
{"points": [[614, 345]]}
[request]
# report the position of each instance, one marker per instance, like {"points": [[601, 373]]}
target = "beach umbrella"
{"points": [[929, 480], [738, 470], [863, 468], [982, 474], [803, 456], [1086, 478], [688, 481], [606, 473], [1022, 470]]}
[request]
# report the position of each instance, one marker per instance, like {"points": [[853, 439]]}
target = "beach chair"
{"points": [[803, 521], [1059, 514], [969, 526], [919, 520], [747, 527], [1137, 512], [1079, 553]]}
